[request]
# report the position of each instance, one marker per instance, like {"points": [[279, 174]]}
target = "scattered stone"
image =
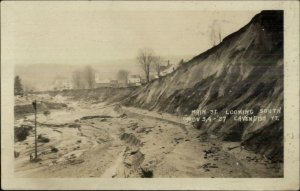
{"points": [[16, 154], [230, 148], [213, 166], [43, 139], [146, 172], [133, 126], [35, 160], [46, 113], [134, 151], [77, 161], [144, 130], [123, 115], [95, 116], [54, 150], [74, 125], [178, 139]]}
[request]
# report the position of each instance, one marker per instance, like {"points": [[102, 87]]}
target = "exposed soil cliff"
{"points": [[245, 71]]}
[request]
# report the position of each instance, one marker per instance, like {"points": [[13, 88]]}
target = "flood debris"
{"points": [[144, 130], [43, 139], [16, 154], [46, 113], [74, 125], [34, 160], [146, 171], [54, 149], [27, 109], [131, 139], [133, 125], [75, 161], [95, 117], [211, 152], [178, 139], [230, 148], [208, 166]]}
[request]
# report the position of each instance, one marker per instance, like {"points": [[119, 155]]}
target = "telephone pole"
{"points": [[35, 137]]}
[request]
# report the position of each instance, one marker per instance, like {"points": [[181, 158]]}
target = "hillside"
{"points": [[245, 71]]}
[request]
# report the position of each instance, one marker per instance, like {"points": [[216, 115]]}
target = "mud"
{"points": [[144, 144]]}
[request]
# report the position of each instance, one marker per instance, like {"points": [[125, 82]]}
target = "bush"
{"points": [[22, 132]]}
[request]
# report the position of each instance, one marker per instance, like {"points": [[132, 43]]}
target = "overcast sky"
{"points": [[39, 34]]}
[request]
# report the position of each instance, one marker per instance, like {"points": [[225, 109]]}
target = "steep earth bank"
{"points": [[245, 71]]}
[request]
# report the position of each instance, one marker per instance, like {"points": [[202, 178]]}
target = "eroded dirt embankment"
{"points": [[244, 71]]}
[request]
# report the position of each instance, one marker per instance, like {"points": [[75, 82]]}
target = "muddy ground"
{"points": [[113, 141]]}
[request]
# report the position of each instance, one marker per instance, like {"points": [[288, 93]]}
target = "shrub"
{"points": [[22, 132]]}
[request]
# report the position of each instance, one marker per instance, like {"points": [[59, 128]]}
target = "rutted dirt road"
{"points": [[112, 141]]}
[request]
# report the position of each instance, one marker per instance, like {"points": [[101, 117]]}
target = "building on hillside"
{"points": [[102, 83], [61, 84], [114, 83], [134, 80], [105, 82], [166, 69], [98, 78]]}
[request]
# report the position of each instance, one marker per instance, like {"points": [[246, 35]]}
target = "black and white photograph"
{"points": [[109, 92]]}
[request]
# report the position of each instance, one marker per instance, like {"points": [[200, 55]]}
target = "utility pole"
{"points": [[35, 137]]}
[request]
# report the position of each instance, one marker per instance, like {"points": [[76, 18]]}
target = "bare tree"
{"points": [[157, 65], [145, 59], [89, 75], [123, 76], [181, 62], [215, 33], [77, 79]]}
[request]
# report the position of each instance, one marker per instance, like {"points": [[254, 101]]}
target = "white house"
{"points": [[134, 80]]}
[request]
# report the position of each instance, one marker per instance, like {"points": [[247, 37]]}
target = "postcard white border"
{"points": [[291, 109]]}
